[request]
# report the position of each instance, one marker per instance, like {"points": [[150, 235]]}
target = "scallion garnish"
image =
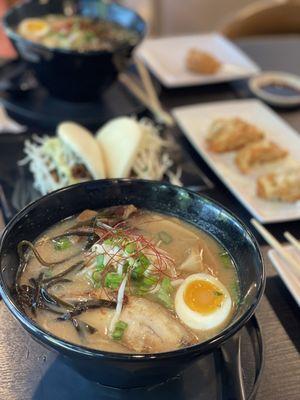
{"points": [[235, 291], [96, 276], [100, 262], [164, 293], [62, 243], [109, 241], [146, 284], [149, 280], [218, 293], [164, 237], [140, 265], [226, 260], [130, 248], [119, 330], [112, 280]]}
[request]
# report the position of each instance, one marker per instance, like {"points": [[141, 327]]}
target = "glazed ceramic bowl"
{"points": [[70, 74], [130, 370]]}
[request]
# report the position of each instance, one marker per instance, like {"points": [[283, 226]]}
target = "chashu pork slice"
{"points": [[150, 326]]}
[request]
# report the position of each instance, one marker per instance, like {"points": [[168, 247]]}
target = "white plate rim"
{"points": [[273, 256]]}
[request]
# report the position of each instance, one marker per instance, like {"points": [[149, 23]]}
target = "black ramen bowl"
{"points": [[69, 74], [130, 370]]}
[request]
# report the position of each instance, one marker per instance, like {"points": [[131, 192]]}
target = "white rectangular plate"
{"points": [[289, 278], [195, 120], [166, 59]]}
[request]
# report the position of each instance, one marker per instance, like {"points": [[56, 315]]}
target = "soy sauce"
{"points": [[281, 89]]}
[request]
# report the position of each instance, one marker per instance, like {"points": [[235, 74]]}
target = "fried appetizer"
{"points": [[281, 185], [202, 62], [227, 134], [260, 152]]}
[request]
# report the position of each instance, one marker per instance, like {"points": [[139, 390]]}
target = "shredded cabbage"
{"points": [[50, 162], [153, 160]]}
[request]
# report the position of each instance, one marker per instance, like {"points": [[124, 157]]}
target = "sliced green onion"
{"points": [[140, 265], [146, 284], [48, 273], [109, 241], [119, 330], [112, 280], [130, 248], [166, 284], [61, 35], [137, 273], [131, 261], [100, 262], [89, 36], [235, 291], [96, 276], [143, 260], [218, 293], [121, 325], [149, 280], [226, 259], [164, 293], [165, 237], [62, 243]]}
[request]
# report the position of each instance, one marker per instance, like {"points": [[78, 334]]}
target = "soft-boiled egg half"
{"points": [[33, 28], [202, 302]]}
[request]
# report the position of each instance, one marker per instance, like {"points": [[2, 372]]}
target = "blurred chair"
{"points": [[263, 18], [179, 17]]}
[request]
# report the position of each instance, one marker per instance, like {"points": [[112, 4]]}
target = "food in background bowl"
{"points": [[202, 62], [124, 279], [76, 33], [79, 54], [124, 148]]}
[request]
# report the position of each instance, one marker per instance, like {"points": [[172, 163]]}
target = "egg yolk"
{"points": [[203, 297], [35, 26]]}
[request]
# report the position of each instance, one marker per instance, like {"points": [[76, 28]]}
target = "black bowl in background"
{"points": [[69, 74], [129, 370]]}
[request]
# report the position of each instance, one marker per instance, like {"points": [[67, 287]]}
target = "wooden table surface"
{"points": [[278, 313]]}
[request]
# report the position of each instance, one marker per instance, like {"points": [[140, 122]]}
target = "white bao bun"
{"points": [[119, 140], [83, 144]]}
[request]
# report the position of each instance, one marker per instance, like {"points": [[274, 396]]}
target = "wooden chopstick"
{"points": [[290, 238], [277, 246], [136, 90], [4, 204], [147, 82], [2, 222]]}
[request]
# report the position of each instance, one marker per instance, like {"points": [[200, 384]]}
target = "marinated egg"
{"points": [[202, 302], [33, 28]]}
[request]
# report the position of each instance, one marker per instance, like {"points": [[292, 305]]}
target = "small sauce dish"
{"points": [[277, 88]]}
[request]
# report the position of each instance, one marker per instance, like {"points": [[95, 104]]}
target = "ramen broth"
{"points": [[128, 280]]}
